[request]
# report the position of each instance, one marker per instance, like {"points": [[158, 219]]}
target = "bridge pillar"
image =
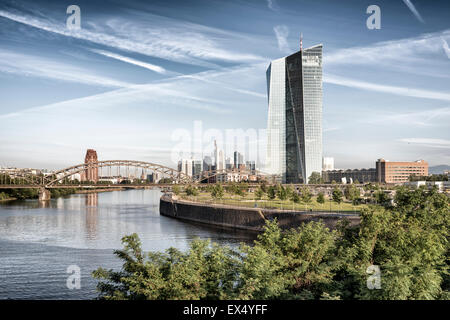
{"points": [[44, 194]]}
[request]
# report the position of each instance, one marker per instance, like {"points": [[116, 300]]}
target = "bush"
{"points": [[295, 197], [282, 192], [306, 195], [217, 191], [320, 198], [409, 243], [259, 193], [191, 191], [176, 190], [337, 195], [3, 196], [271, 192]]}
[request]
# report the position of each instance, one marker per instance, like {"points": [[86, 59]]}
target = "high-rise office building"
{"points": [[207, 163], [250, 165], [219, 157], [294, 128], [238, 159], [186, 166], [228, 164], [327, 163], [196, 168]]}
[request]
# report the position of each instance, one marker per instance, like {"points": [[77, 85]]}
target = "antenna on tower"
{"points": [[301, 41]]}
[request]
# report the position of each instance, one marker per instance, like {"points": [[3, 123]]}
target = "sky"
{"points": [[140, 79]]}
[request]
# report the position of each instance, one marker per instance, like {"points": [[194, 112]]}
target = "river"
{"points": [[38, 243]]}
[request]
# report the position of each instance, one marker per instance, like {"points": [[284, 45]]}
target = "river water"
{"points": [[38, 243]]}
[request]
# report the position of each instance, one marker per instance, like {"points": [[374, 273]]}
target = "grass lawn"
{"points": [[249, 201]]}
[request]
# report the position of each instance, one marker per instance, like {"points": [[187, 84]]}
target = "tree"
{"points": [[236, 189], [176, 190], [263, 186], [306, 195], [315, 178], [282, 193], [217, 191], [203, 272], [320, 198], [337, 195], [165, 181], [289, 191], [191, 191], [259, 193], [239, 190], [352, 193], [381, 197], [271, 192], [295, 197], [408, 242]]}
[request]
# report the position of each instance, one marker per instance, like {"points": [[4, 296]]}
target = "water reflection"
{"points": [[91, 215], [43, 204], [99, 221], [91, 199], [38, 243]]}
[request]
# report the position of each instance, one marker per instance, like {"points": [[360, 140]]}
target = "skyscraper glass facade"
{"points": [[276, 124], [294, 144]]}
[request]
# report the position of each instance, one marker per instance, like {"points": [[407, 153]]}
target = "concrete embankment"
{"points": [[245, 218]]}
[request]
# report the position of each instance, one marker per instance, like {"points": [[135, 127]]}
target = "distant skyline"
{"points": [[137, 71]]}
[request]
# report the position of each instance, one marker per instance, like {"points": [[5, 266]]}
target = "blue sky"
{"points": [[138, 71]]}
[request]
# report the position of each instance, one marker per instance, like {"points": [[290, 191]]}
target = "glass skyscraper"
{"points": [[294, 127]]}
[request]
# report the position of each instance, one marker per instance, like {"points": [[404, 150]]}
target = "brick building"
{"points": [[91, 173], [399, 172]]}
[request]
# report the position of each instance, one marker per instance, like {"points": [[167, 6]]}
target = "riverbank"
{"points": [[7, 199], [252, 219], [99, 190], [33, 193]]}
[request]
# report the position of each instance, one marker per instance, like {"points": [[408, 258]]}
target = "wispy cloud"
{"points": [[273, 5], [282, 32], [403, 91], [428, 142], [184, 91], [28, 65], [331, 129], [135, 62], [414, 10], [137, 93], [426, 118], [445, 47], [224, 86], [181, 42], [411, 51]]}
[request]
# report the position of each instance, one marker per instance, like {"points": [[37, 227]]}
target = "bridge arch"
{"points": [[77, 169]]}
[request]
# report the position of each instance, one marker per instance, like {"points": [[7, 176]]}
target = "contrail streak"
{"points": [[413, 10]]}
